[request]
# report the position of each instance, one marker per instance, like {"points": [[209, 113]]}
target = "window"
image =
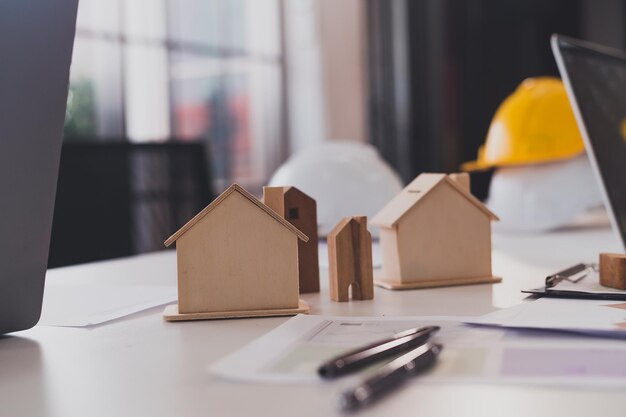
{"points": [[194, 70]]}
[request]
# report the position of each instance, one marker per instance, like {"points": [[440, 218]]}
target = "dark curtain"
{"points": [[440, 68]]}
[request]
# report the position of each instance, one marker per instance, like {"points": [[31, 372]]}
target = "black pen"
{"points": [[566, 274], [390, 376], [374, 352]]}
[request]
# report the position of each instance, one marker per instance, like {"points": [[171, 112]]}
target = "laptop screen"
{"points": [[597, 79], [36, 39]]}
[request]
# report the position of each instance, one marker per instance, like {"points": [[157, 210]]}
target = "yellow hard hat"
{"points": [[534, 124]]}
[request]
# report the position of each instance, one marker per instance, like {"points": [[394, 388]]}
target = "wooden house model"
{"points": [[435, 233], [301, 211], [236, 258]]}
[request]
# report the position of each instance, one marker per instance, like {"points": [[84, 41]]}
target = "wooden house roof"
{"points": [[290, 189], [239, 189], [415, 192], [339, 226]]}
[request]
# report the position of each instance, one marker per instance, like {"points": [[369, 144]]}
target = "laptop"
{"points": [[36, 39], [595, 80]]}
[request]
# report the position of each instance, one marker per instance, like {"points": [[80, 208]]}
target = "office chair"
{"points": [[118, 199]]}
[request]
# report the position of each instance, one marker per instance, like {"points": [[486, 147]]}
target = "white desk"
{"points": [[142, 366]]}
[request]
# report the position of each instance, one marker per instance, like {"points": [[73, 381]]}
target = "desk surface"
{"points": [[143, 366]]}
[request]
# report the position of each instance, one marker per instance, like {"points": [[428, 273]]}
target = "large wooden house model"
{"points": [[435, 233], [236, 258]]}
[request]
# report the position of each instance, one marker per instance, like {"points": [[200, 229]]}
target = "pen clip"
{"points": [[573, 274]]}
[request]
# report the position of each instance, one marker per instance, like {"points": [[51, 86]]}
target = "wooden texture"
{"points": [[613, 270], [301, 211], [239, 256], [414, 193], [444, 238], [396, 285], [350, 260], [462, 179], [171, 313], [434, 233], [390, 253], [238, 188]]}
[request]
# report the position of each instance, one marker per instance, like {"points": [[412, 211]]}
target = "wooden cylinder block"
{"points": [[613, 270]]}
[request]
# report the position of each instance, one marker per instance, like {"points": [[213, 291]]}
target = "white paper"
{"points": [[291, 353], [597, 317], [590, 284], [80, 305]]}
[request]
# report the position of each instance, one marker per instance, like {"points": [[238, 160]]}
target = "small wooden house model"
{"points": [[435, 233], [301, 211], [236, 258]]}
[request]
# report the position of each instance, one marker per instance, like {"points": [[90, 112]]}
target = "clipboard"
{"points": [[579, 281]]}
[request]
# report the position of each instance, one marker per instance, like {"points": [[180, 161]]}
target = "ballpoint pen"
{"points": [[390, 376], [374, 352]]}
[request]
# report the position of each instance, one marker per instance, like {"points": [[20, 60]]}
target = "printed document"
{"points": [[292, 352]]}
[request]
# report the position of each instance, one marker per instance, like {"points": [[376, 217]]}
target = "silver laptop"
{"points": [[595, 79], [36, 39]]}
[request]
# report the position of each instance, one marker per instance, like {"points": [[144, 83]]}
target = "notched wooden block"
{"points": [[613, 270], [350, 260]]}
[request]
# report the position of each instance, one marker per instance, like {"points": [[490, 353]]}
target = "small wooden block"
{"points": [[613, 270], [300, 210], [396, 285], [171, 313]]}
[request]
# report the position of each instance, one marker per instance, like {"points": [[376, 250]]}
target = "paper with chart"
{"points": [[292, 352]]}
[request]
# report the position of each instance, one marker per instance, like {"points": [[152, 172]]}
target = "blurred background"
{"points": [[172, 101]]}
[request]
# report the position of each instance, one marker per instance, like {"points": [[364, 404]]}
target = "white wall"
{"points": [[326, 71]]}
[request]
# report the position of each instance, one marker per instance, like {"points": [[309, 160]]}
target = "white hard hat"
{"points": [[543, 196], [345, 178]]}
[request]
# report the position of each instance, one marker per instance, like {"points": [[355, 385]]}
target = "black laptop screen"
{"points": [[598, 81]]}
